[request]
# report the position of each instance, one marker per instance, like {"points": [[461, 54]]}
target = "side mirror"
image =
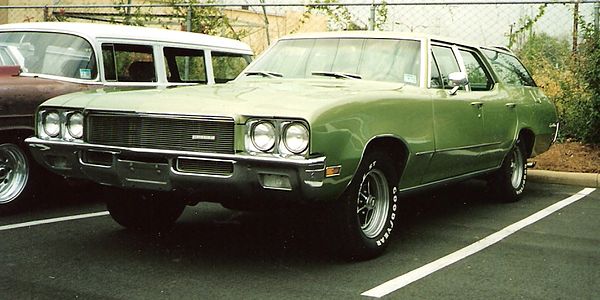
{"points": [[457, 80]]}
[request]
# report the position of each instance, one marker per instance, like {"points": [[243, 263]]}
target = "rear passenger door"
{"points": [[497, 112]]}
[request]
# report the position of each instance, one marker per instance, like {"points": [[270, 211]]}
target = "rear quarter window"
{"points": [[508, 68]]}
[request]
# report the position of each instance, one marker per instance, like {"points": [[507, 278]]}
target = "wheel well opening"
{"points": [[15, 135], [527, 138], [396, 148]]}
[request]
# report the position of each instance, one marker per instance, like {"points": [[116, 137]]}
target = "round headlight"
{"points": [[295, 138], [263, 136], [75, 125], [51, 124]]}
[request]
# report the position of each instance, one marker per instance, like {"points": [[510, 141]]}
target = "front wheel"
{"points": [[144, 211], [16, 184], [508, 183], [366, 212]]}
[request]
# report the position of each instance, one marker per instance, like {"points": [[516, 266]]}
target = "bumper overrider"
{"points": [[224, 176]]}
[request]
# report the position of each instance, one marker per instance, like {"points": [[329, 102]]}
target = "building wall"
{"points": [[250, 23]]}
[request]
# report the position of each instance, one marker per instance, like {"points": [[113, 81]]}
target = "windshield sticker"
{"points": [[410, 78], [87, 73]]}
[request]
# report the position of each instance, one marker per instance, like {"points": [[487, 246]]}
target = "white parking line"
{"points": [[416, 274], [53, 220]]}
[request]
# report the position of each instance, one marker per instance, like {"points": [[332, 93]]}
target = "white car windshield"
{"points": [[55, 54]]}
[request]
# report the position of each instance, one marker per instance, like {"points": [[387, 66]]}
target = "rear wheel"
{"points": [[508, 183], [366, 212], [144, 211]]}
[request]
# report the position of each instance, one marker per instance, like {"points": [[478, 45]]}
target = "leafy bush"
{"points": [[571, 81]]}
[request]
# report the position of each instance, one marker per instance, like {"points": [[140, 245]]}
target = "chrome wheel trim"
{"points": [[516, 168], [14, 172], [373, 203]]}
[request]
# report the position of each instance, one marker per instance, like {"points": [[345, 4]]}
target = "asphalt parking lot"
{"points": [[217, 253]]}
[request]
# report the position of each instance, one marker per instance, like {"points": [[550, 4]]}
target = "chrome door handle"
{"points": [[477, 103], [511, 105]]}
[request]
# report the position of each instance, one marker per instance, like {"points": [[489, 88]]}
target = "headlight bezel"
{"points": [[287, 147], [69, 124], [44, 123], [280, 147], [61, 119], [265, 127]]}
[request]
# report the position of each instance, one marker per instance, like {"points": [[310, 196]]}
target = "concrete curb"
{"points": [[569, 178]]}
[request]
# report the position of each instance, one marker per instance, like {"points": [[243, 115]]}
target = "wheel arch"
{"points": [[393, 145], [16, 134], [527, 138]]}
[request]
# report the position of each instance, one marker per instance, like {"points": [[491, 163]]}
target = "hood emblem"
{"points": [[201, 137]]}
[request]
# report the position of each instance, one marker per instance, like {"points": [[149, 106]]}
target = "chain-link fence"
{"points": [[559, 41], [506, 23]]}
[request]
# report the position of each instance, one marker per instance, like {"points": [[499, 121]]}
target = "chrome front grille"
{"points": [[161, 132]]}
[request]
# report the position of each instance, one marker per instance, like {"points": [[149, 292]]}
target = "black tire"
{"points": [[143, 210], [364, 215], [508, 183], [18, 177]]}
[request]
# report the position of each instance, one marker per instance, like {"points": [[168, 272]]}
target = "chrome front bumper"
{"points": [[155, 169]]}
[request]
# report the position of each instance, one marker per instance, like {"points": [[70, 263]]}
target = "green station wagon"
{"points": [[346, 121]]}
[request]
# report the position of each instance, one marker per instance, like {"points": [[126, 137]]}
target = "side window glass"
{"points": [[436, 79], [479, 80], [128, 63], [227, 66], [185, 65], [508, 68], [446, 62]]}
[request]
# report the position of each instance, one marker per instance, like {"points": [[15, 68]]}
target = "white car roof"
{"points": [[93, 31]]}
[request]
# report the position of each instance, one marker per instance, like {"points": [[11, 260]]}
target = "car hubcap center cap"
{"points": [[370, 203]]}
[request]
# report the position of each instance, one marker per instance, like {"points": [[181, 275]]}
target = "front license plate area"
{"points": [[144, 175]]}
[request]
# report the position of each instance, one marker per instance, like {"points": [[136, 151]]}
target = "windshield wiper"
{"points": [[264, 74], [337, 75]]}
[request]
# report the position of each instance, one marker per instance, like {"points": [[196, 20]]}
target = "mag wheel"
{"points": [[366, 212], [509, 181], [16, 185]]}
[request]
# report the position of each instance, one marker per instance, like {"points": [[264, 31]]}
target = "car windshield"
{"points": [[342, 58], [53, 54]]}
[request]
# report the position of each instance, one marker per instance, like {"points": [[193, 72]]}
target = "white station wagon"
{"points": [[39, 61]]}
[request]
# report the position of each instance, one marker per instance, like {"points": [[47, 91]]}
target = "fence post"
{"points": [[597, 17], [188, 18], [264, 9], [46, 14], [372, 18], [575, 25]]}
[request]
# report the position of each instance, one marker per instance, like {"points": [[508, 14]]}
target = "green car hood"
{"points": [[259, 98]]}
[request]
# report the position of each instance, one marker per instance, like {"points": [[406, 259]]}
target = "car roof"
{"points": [[378, 35], [94, 31]]}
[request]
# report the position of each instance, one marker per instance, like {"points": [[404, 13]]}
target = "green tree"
{"points": [[210, 20]]}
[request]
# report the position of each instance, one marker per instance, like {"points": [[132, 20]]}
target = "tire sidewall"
{"points": [[503, 187], [369, 247]]}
